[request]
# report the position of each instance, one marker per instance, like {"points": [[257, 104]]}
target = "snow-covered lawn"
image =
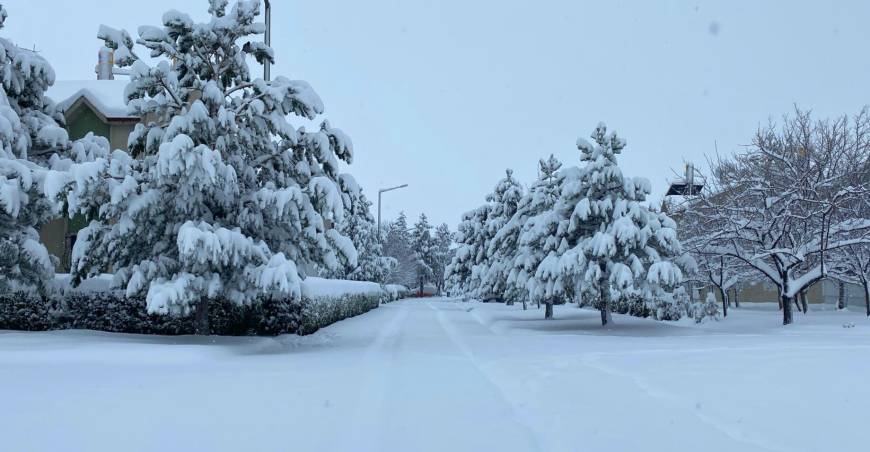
{"points": [[439, 375]]}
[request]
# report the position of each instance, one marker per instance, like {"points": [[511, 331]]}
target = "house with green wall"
{"points": [[88, 106]]}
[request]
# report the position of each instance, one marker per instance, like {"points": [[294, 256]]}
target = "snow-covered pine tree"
{"points": [[359, 225], [504, 202], [397, 245], [31, 136], [471, 252], [219, 195], [443, 254], [708, 309], [617, 246], [423, 246], [535, 228]]}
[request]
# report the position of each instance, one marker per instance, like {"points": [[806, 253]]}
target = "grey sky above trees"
{"points": [[444, 95]]}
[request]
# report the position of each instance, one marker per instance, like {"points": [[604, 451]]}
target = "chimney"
{"points": [[105, 63]]}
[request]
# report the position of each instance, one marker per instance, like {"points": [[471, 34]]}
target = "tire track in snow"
{"points": [[593, 361], [365, 423], [522, 417]]}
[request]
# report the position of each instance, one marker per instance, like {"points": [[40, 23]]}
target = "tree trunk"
{"points": [[724, 295], [200, 320], [867, 296], [691, 286], [605, 315], [785, 302], [841, 295], [525, 305], [548, 311], [736, 298], [804, 303]]}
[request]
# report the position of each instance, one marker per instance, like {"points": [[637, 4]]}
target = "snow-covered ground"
{"points": [[440, 375]]}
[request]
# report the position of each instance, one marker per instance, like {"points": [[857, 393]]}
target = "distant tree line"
{"points": [[421, 252]]}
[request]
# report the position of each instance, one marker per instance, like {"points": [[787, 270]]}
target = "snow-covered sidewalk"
{"points": [[438, 375]]}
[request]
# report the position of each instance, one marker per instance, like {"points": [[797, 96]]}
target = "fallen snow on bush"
{"points": [[314, 287], [62, 283]]}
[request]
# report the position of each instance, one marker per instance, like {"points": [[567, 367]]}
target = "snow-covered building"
{"points": [[88, 106], [826, 291]]}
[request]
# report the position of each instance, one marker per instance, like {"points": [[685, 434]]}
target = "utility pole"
{"points": [[380, 192], [688, 187], [267, 73]]}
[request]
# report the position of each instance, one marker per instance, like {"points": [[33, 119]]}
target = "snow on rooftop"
{"points": [[105, 95]]}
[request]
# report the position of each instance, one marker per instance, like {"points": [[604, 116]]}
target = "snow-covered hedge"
{"points": [[394, 292], [92, 306]]}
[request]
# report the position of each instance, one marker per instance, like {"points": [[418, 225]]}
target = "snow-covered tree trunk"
{"points": [[785, 301], [200, 320], [841, 295], [866, 284]]}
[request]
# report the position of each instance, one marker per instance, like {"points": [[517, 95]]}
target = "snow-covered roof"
{"points": [[106, 96]]}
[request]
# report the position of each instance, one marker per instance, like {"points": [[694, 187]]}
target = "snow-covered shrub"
{"points": [[25, 311], [394, 292], [634, 304], [325, 311], [706, 309], [672, 306], [112, 311]]}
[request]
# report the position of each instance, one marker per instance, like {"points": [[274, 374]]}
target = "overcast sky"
{"points": [[444, 95]]}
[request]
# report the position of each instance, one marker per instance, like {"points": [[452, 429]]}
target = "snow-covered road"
{"points": [[439, 375]]}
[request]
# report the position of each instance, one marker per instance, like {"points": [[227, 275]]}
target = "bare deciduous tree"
{"points": [[781, 205]]}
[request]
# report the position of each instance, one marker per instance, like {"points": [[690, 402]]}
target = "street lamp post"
{"points": [[380, 192], [267, 70]]}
